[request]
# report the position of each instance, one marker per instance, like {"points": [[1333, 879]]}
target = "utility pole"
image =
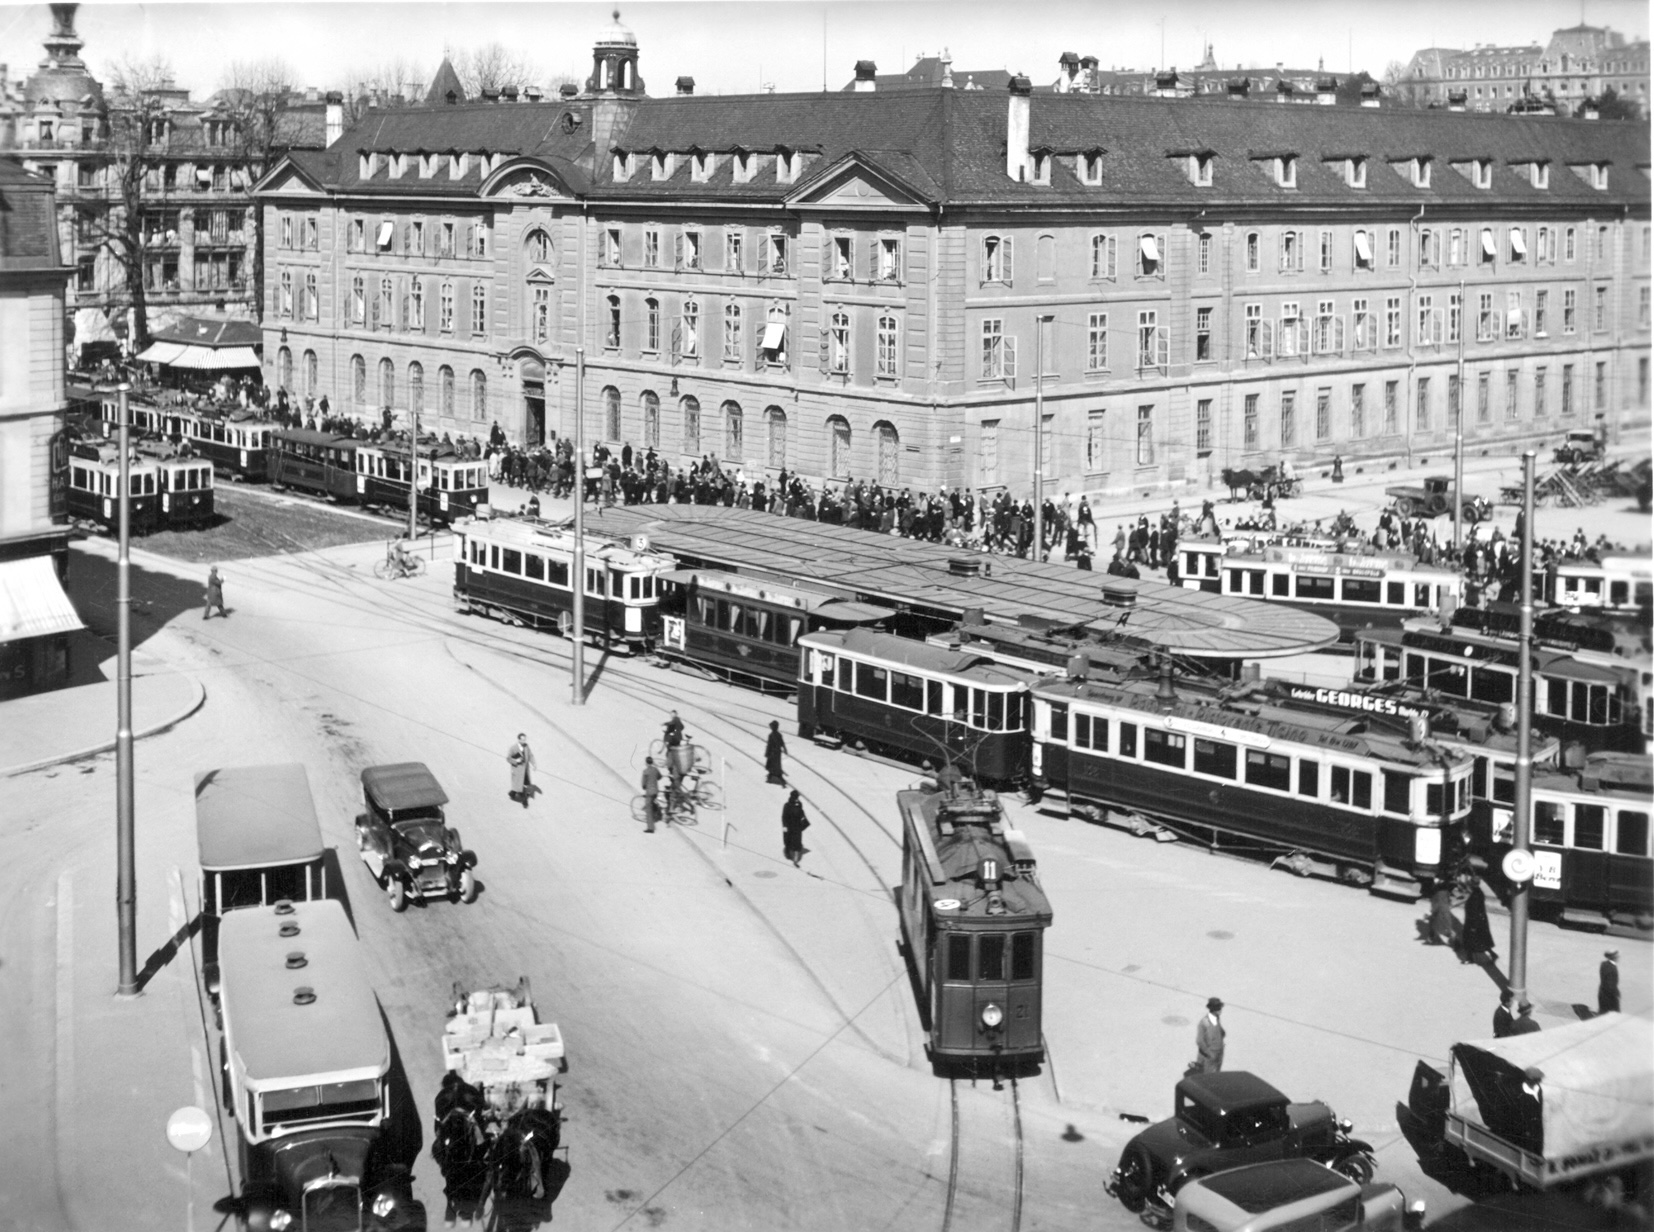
{"points": [[1039, 437], [126, 882], [577, 583], [1519, 861], [1458, 437], [413, 474]]}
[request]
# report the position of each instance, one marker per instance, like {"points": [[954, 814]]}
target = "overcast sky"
{"points": [[734, 47]]}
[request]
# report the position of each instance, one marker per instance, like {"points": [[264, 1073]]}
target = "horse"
{"points": [[1246, 481], [459, 1145], [522, 1153]]}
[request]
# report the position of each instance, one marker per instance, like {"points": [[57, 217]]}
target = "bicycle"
{"points": [[398, 564], [693, 757]]}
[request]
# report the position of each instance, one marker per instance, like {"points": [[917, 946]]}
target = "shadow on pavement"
{"points": [[157, 961], [404, 1134], [156, 597]]}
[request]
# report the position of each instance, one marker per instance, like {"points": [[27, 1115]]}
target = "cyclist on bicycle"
{"points": [[676, 756], [404, 559]]}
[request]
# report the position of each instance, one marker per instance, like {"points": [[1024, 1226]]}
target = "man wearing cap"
{"points": [[1502, 1020], [1524, 1024], [1209, 1038], [1608, 983]]}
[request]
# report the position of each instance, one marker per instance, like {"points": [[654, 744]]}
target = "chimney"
{"points": [[311, 94], [947, 69], [1068, 72], [532, 94], [508, 93], [865, 72], [1016, 127], [1326, 91], [334, 127], [568, 89], [686, 85], [1165, 84], [1370, 94]]}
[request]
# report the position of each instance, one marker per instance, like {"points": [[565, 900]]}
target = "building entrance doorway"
{"points": [[534, 403]]}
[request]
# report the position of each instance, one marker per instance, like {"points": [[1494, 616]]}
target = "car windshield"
{"points": [[1250, 1123], [423, 832]]}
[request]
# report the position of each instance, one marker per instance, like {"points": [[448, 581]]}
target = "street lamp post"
{"points": [[126, 888], [1458, 439], [1522, 804], [413, 474], [577, 583], [1039, 437]]}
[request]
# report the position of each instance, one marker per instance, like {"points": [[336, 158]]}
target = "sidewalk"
{"points": [[79, 720]]}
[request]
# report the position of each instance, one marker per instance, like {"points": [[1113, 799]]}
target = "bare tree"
{"points": [[255, 98], [386, 79], [1398, 87], [491, 66]]}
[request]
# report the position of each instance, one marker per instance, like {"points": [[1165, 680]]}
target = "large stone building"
{"points": [[35, 616], [1578, 65], [853, 283]]}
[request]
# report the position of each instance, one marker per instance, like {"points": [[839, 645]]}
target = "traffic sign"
{"points": [[1518, 865], [189, 1129]]}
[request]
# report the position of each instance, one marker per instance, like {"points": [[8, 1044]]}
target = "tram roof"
{"points": [[911, 573], [530, 533], [921, 656], [278, 1040], [765, 590], [310, 436], [256, 817], [960, 854]]}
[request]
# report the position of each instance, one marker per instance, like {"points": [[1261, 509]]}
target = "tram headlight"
{"points": [[383, 1205], [280, 1220], [992, 1016]]}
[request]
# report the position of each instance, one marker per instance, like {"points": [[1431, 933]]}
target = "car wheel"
{"points": [[1136, 1181], [1359, 1168], [467, 887], [398, 892]]}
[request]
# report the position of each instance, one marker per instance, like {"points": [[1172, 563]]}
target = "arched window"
{"points": [[387, 383], [479, 309], [284, 368], [382, 305], [416, 388], [445, 379], [688, 341], [734, 432], [312, 299], [285, 303], [732, 332], [890, 449], [479, 394], [838, 447], [886, 345], [611, 413], [691, 425], [651, 325], [836, 353], [310, 373], [651, 420], [611, 320], [358, 380], [775, 425], [416, 304], [537, 247]]}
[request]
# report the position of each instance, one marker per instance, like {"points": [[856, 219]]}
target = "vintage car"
{"points": [[1291, 1195], [1580, 446], [1226, 1120], [406, 842]]}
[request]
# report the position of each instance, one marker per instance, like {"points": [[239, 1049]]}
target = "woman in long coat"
{"points": [[521, 760]]}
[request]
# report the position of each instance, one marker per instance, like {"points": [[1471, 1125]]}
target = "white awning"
{"points": [[1151, 250], [32, 602], [775, 332], [1518, 242], [160, 353], [1488, 246], [386, 230], [214, 358], [1363, 248]]}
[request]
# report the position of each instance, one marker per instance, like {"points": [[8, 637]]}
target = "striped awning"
{"points": [[32, 602], [214, 358], [160, 353]]}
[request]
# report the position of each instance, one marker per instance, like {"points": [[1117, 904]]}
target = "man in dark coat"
{"points": [[215, 594], [521, 760], [1524, 1024], [774, 747], [1608, 983], [793, 825], [1502, 1019], [651, 795], [1209, 1037]]}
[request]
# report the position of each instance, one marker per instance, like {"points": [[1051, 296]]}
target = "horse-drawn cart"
{"points": [[498, 1122]]}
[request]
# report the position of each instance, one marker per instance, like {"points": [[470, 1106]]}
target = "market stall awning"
{"points": [[215, 359], [32, 602], [160, 353]]}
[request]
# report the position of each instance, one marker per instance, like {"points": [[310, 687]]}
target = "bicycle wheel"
{"points": [[700, 761], [708, 795], [381, 568], [640, 808], [416, 566], [657, 750]]}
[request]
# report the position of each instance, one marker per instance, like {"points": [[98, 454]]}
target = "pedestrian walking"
{"points": [[1476, 941], [793, 825], [1503, 1021], [651, 795], [1524, 1025], [1608, 983], [521, 760], [1444, 926], [215, 595], [1209, 1037], [774, 747]]}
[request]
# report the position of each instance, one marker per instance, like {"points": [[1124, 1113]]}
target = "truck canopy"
{"points": [[1565, 1092]]}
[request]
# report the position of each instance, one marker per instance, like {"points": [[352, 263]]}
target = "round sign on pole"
{"points": [[189, 1129], [1518, 865]]}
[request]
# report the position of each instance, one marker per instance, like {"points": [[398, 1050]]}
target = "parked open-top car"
{"points": [[1291, 1195], [406, 841], [1226, 1120]]}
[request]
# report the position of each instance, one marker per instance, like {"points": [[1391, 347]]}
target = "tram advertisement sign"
{"points": [[1347, 700], [57, 477]]}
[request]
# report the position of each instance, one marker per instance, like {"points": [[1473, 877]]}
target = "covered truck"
{"points": [[1549, 1107]]}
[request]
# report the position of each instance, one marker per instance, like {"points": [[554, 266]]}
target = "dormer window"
{"points": [[622, 166], [1286, 171], [1355, 172], [428, 165], [1091, 167], [1200, 170], [1040, 161], [398, 165], [701, 165], [1421, 173], [1539, 175], [458, 165], [368, 165], [661, 167], [744, 165], [787, 166]]}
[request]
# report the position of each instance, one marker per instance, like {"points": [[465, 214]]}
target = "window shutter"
{"points": [[677, 251], [1006, 249], [873, 259], [1338, 335], [763, 252], [982, 263], [375, 310], [1266, 339], [407, 316], [1165, 253], [826, 256], [1010, 350], [1303, 334], [677, 338], [1162, 344], [826, 347]]}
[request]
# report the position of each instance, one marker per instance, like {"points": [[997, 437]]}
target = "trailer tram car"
{"points": [[1590, 842], [746, 628], [238, 443], [450, 487], [908, 699], [1337, 796], [973, 920], [186, 486], [1615, 584], [322, 463], [1049, 648], [95, 488], [518, 571]]}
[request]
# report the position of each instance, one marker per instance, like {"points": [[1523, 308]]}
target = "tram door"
{"points": [[1585, 863]]}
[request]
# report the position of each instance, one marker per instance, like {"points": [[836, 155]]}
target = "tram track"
{"points": [[960, 1196]]}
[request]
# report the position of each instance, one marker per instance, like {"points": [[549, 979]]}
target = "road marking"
{"points": [[65, 1041]]}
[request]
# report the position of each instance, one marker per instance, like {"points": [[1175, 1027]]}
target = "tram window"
{"points": [[1022, 955], [793, 626], [990, 957], [534, 566], [959, 958], [1279, 585], [1016, 711], [1619, 593], [1415, 666], [1548, 823], [1165, 748], [1504, 786], [240, 888], [1492, 684], [1270, 770], [493, 556], [477, 551], [1315, 587], [729, 616], [1433, 806], [1556, 698], [1631, 836], [1421, 594], [761, 620], [1361, 590], [1059, 723], [1590, 821], [705, 611], [996, 711], [511, 561], [907, 691], [933, 698], [1215, 757], [872, 681], [1235, 581], [1082, 730], [1478, 774], [1339, 782], [1398, 793], [557, 572], [1128, 740], [1361, 789], [594, 582], [1254, 582], [824, 668], [290, 881], [1309, 777]]}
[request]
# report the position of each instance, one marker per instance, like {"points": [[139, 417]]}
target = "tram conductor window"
{"points": [[1270, 770], [1216, 758], [1549, 824], [1165, 748], [1398, 793], [990, 952], [1309, 777], [1022, 955], [959, 959], [1128, 740]]}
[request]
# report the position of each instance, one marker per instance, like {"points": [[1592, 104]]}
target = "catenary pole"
{"points": [[577, 583], [1458, 440], [126, 882], [413, 474], [1039, 438], [1522, 805]]}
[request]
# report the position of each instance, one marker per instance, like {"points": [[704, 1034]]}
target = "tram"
{"points": [[1614, 584], [95, 488], [1050, 648], [973, 921], [450, 487], [902, 698], [237, 442], [746, 629], [1590, 842], [1352, 588], [323, 463], [186, 487], [517, 570], [1337, 796]]}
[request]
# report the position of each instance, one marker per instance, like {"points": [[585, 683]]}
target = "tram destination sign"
{"points": [[1345, 699]]}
